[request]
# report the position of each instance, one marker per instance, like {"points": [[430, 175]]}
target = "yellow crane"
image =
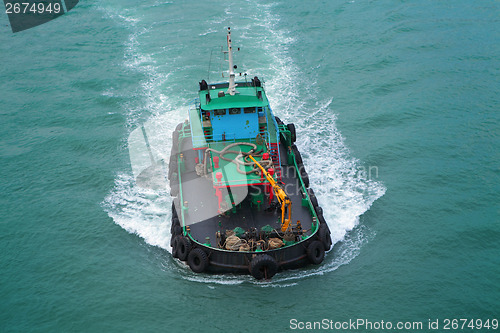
{"points": [[283, 198]]}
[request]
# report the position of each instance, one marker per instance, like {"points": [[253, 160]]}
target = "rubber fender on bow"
{"points": [[314, 201], [298, 157], [174, 189], [325, 236], [172, 166], [316, 252], [293, 135], [175, 222], [305, 177], [177, 230], [175, 142], [263, 267], [174, 211], [321, 218], [319, 213], [184, 248], [175, 136], [175, 246], [174, 151], [198, 260]]}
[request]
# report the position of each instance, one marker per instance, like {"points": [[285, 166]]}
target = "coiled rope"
{"points": [[240, 159], [234, 243]]}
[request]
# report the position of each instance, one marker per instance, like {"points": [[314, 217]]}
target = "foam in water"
{"points": [[342, 191]]}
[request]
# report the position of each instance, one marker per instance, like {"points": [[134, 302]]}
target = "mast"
{"points": [[232, 84]]}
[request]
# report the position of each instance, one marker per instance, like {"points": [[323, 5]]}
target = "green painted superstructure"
{"points": [[246, 97]]}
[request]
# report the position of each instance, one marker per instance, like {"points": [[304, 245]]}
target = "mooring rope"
{"points": [[239, 154]]}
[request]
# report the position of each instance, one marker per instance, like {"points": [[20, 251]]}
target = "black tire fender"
{"points": [[178, 230], [313, 198], [263, 266], [316, 252], [174, 211], [298, 157], [175, 246], [325, 236], [175, 140], [174, 189], [175, 222], [321, 219], [305, 177], [175, 137], [172, 167], [293, 135], [198, 260], [184, 248]]}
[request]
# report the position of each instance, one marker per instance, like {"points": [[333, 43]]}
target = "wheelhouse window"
{"points": [[219, 112], [260, 109], [235, 111], [249, 110]]}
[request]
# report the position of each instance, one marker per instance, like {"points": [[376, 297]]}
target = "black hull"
{"points": [[187, 244], [290, 257]]}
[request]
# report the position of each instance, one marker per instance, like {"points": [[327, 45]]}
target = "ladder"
{"points": [[274, 152]]}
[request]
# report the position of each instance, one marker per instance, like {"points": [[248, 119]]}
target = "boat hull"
{"points": [[308, 247]]}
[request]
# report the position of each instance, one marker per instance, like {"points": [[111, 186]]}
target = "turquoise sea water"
{"points": [[397, 108]]}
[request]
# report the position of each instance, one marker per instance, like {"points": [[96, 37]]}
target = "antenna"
{"points": [[232, 84], [209, 63]]}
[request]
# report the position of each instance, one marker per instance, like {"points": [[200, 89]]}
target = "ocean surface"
{"points": [[397, 109]]}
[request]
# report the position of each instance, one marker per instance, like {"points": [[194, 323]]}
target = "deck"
{"points": [[202, 213]]}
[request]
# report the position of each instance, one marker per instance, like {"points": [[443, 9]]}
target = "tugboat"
{"points": [[241, 196]]}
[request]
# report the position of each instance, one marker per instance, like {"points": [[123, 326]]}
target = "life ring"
{"points": [[263, 266], [293, 135], [324, 236], [184, 248], [316, 252], [198, 260]]}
